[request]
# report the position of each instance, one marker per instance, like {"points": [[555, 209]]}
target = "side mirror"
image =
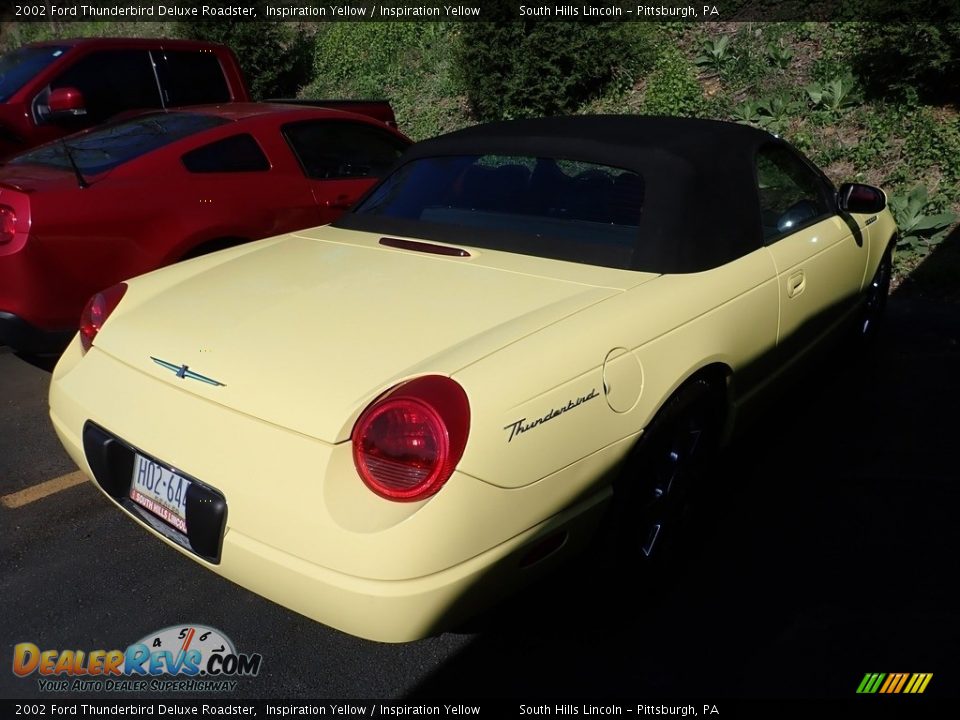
{"points": [[66, 101], [857, 198]]}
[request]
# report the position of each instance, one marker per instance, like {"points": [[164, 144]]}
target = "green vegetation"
{"points": [[274, 58], [921, 58], [716, 54], [512, 69], [409, 63], [672, 88], [921, 227], [868, 102]]}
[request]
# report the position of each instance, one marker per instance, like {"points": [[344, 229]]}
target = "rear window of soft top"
{"points": [[547, 207]]}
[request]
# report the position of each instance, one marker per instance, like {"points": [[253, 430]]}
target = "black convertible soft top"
{"points": [[701, 206]]}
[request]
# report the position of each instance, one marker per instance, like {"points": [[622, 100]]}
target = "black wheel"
{"points": [[652, 496], [876, 298]]}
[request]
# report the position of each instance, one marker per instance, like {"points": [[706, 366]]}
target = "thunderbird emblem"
{"points": [[183, 371]]}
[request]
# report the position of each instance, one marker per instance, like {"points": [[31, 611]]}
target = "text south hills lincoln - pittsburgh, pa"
{"points": [[625, 12]]}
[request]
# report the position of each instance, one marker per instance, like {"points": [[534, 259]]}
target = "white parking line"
{"points": [[44, 489]]}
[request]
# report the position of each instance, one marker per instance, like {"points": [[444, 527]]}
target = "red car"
{"points": [[79, 214]]}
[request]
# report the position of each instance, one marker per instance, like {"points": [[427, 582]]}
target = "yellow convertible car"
{"points": [[386, 422]]}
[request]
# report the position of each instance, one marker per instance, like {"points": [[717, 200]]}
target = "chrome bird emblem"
{"points": [[184, 371]]}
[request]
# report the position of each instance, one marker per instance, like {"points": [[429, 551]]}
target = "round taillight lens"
{"points": [[407, 443], [8, 224], [96, 312]]}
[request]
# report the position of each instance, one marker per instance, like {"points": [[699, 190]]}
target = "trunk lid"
{"points": [[304, 332], [34, 178]]}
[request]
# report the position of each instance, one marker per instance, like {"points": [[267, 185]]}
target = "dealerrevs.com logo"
{"points": [[180, 658]]}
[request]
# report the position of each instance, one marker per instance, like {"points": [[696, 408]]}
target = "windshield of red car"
{"points": [[111, 145], [20, 65], [547, 207]]}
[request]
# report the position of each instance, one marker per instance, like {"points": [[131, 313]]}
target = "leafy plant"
{"points": [[834, 95], [921, 227], [716, 53], [746, 112], [779, 55], [776, 113]]}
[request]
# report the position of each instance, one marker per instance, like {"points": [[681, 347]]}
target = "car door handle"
{"points": [[796, 283]]}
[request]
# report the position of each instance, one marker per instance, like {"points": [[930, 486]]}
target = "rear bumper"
{"points": [[27, 338], [381, 610], [398, 602]]}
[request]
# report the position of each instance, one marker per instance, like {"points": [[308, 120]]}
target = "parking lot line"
{"points": [[42, 490]]}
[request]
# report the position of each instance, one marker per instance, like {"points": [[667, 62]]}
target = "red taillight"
{"points": [[8, 224], [408, 442], [97, 311]]}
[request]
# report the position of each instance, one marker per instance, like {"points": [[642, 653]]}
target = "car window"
{"points": [[548, 207], [17, 67], [191, 78], [239, 153], [114, 144], [791, 193], [111, 82], [328, 149]]}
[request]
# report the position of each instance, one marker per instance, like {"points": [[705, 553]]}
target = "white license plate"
{"points": [[161, 491]]}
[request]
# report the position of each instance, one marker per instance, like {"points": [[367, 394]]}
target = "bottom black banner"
{"points": [[871, 707]]}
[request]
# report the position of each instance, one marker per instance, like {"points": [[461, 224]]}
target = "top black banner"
{"points": [[66, 11]]}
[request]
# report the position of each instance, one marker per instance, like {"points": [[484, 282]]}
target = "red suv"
{"points": [[82, 213]]}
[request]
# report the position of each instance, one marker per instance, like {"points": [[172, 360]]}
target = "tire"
{"points": [[875, 301], [652, 496]]}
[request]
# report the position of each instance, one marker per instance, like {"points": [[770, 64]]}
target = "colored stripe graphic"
{"points": [[894, 683], [871, 683], [919, 681]]}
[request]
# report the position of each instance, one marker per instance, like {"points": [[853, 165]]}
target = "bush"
{"points": [[521, 69], [275, 59], [920, 56]]}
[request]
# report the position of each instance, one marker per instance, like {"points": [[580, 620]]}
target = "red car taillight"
{"points": [[407, 443], [8, 224], [97, 311]]}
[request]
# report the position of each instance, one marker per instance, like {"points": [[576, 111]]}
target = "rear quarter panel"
{"points": [[662, 331]]}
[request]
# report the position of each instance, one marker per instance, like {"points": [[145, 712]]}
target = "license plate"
{"points": [[161, 491]]}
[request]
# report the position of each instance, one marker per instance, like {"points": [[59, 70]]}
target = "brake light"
{"points": [[408, 442], [96, 312], [8, 224]]}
